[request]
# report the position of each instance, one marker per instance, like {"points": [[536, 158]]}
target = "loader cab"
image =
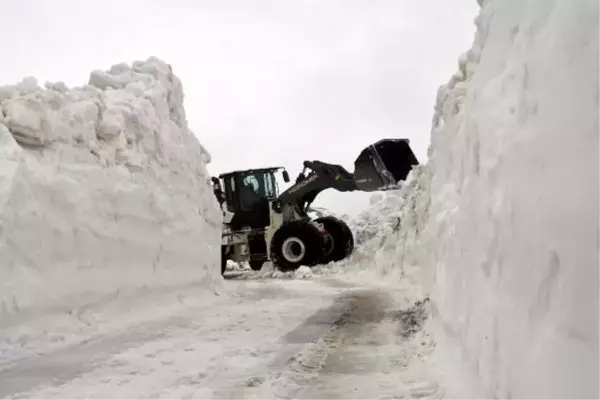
{"points": [[248, 193]]}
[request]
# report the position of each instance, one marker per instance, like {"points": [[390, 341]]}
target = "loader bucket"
{"points": [[381, 165]]}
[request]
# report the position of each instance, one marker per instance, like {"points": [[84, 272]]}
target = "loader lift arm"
{"points": [[378, 167], [322, 176]]}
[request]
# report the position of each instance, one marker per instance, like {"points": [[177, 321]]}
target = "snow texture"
{"points": [[103, 193], [500, 227], [325, 339]]}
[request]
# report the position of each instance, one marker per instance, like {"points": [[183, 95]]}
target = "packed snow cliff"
{"points": [[103, 192], [500, 227]]}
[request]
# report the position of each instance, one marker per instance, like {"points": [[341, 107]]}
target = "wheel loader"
{"points": [[263, 225]]}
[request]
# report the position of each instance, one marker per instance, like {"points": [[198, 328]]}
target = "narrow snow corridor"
{"points": [[263, 338]]}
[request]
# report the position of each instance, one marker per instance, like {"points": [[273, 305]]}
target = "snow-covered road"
{"points": [[322, 337]]}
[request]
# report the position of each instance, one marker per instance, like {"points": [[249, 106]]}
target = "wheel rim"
{"points": [[293, 249]]}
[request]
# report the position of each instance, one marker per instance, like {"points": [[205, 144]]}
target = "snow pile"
{"points": [[376, 232], [382, 212], [367, 224], [103, 192], [501, 226]]}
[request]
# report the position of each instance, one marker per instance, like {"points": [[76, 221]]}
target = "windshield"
{"points": [[262, 183], [257, 186]]}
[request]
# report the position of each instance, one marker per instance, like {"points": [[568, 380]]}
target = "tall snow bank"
{"points": [[502, 222], [103, 191]]}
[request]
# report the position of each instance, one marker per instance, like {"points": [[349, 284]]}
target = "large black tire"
{"points": [[341, 235], [295, 244], [256, 265], [223, 259]]}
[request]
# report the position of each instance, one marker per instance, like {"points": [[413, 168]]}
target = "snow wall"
{"points": [[500, 227], [103, 192]]}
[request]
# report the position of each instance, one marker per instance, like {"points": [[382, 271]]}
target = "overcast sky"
{"points": [[267, 82]]}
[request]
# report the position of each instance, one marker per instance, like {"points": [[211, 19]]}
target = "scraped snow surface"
{"points": [[266, 338], [103, 194]]}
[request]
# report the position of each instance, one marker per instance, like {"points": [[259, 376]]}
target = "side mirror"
{"points": [[286, 176]]}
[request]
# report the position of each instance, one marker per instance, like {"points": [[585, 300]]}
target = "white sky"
{"points": [[267, 82]]}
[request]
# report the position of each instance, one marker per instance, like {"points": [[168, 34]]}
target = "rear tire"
{"points": [[343, 240], [223, 259], [256, 265], [295, 244]]}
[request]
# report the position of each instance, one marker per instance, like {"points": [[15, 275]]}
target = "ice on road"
{"points": [[263, 338]]}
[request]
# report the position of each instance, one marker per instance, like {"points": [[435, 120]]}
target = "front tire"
{"points": [[295, 244], [341, 235]]}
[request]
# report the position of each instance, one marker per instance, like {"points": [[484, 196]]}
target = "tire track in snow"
{"points": [[361, 308], [229, 350], [66, 364], [360, 340], [202, 346]]}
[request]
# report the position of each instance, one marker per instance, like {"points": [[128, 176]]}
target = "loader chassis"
{"points": [[262, 225]]}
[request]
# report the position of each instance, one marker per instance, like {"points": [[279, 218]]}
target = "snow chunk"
{"points": [[303, 272], [103, 191]]}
